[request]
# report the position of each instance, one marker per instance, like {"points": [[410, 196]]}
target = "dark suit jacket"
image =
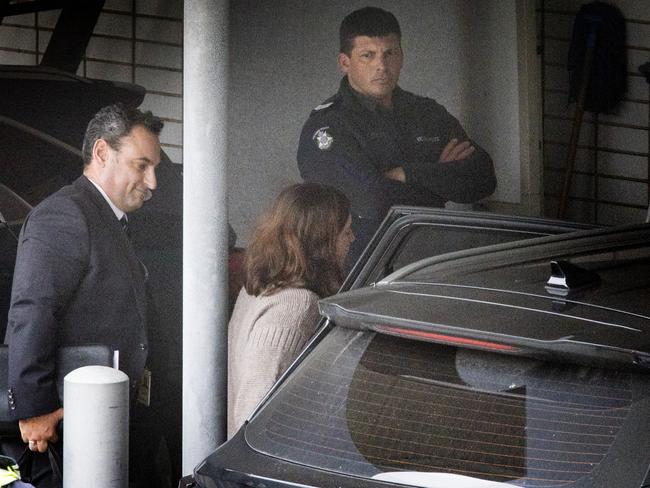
{"points": [[77, 281]]}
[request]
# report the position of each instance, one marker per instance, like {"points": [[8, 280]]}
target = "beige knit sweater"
{"points": [[265, 335]]}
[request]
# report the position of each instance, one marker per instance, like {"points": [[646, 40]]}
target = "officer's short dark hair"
{"points": [[112, 123], [368, 21]]}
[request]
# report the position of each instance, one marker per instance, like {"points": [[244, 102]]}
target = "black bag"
{"points": [[25, 465], [69, 358]]}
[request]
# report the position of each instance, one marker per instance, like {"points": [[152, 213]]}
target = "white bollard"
{"points": [[96, 428]]}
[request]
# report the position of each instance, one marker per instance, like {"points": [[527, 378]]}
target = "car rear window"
{"points": [[418, 413]]}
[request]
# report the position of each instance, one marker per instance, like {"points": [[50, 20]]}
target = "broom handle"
{"points": [[577, 120]]}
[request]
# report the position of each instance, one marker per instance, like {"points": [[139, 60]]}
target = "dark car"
{"points": [[13, 211], [524, 363]]}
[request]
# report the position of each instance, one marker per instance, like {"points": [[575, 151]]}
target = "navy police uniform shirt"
{"points": [[350, 141]]}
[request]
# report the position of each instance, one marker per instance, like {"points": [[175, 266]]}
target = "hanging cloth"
{"points": [[600, 26]]}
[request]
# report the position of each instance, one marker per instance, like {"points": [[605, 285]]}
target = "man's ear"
{"points": [[344, 62], [101, 151]]}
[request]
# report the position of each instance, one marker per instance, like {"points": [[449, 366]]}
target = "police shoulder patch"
{"points": [[323, 138]]}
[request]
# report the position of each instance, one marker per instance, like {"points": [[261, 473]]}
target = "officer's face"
{"points": [[373, 66]]}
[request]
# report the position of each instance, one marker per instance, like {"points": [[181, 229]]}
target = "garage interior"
{"points": [[499, 66]]}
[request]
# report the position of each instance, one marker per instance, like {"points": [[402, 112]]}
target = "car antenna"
{"points": [[567, 277]]}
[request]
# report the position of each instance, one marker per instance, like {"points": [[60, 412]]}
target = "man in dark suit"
{"points": [[77, 279]]}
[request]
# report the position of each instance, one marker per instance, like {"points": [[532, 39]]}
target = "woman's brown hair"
{"points": [[294, 244]]}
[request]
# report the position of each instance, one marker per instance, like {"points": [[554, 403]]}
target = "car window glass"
{"points": [[619, 254], [614, 263], [13, 209], [32, 167], [7, 258], [387, 408], [425, 240]]}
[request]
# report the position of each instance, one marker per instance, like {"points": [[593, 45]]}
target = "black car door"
{"points": [[409, 234]]}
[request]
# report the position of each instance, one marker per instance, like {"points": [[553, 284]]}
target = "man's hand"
{"points": [[39, 431], [455, 151], [396, 174]]}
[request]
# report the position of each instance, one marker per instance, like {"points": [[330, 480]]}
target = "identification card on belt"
{"points": [[144, 389]]}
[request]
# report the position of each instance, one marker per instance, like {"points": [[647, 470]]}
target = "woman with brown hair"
{"points": [[295, 257]]}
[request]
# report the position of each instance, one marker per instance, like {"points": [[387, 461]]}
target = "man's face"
{"points": [[129, 174], [373, 66]]}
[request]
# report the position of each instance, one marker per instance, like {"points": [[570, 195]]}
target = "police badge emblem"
{"points": [[323, 139]]}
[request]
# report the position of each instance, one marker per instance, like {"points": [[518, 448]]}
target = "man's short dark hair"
{"points": [[114, 122], [368, 21]]}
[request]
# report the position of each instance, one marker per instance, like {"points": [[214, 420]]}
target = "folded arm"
{"points": [[463, 172]]}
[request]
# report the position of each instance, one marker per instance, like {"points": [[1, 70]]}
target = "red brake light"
{"points": [[447, 339]]}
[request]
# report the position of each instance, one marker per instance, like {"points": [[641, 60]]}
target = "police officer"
{"points": [[382, 145]]}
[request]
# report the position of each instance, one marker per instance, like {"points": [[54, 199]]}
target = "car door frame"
{"points": [[396, 226]]}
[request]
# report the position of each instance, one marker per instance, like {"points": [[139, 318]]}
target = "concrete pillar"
{"points": [[205, 230], [96, 433]]}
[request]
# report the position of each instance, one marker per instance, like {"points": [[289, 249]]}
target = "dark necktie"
{"points": [[125, 226]]}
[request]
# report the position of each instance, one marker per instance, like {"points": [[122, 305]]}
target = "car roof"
{"points": [[498, 297]]}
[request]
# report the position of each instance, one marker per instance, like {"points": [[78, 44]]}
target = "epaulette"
{"points": [[326, 104], [322, 106]]}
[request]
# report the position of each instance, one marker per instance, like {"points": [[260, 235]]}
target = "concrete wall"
{"points": [[283, 63]]}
